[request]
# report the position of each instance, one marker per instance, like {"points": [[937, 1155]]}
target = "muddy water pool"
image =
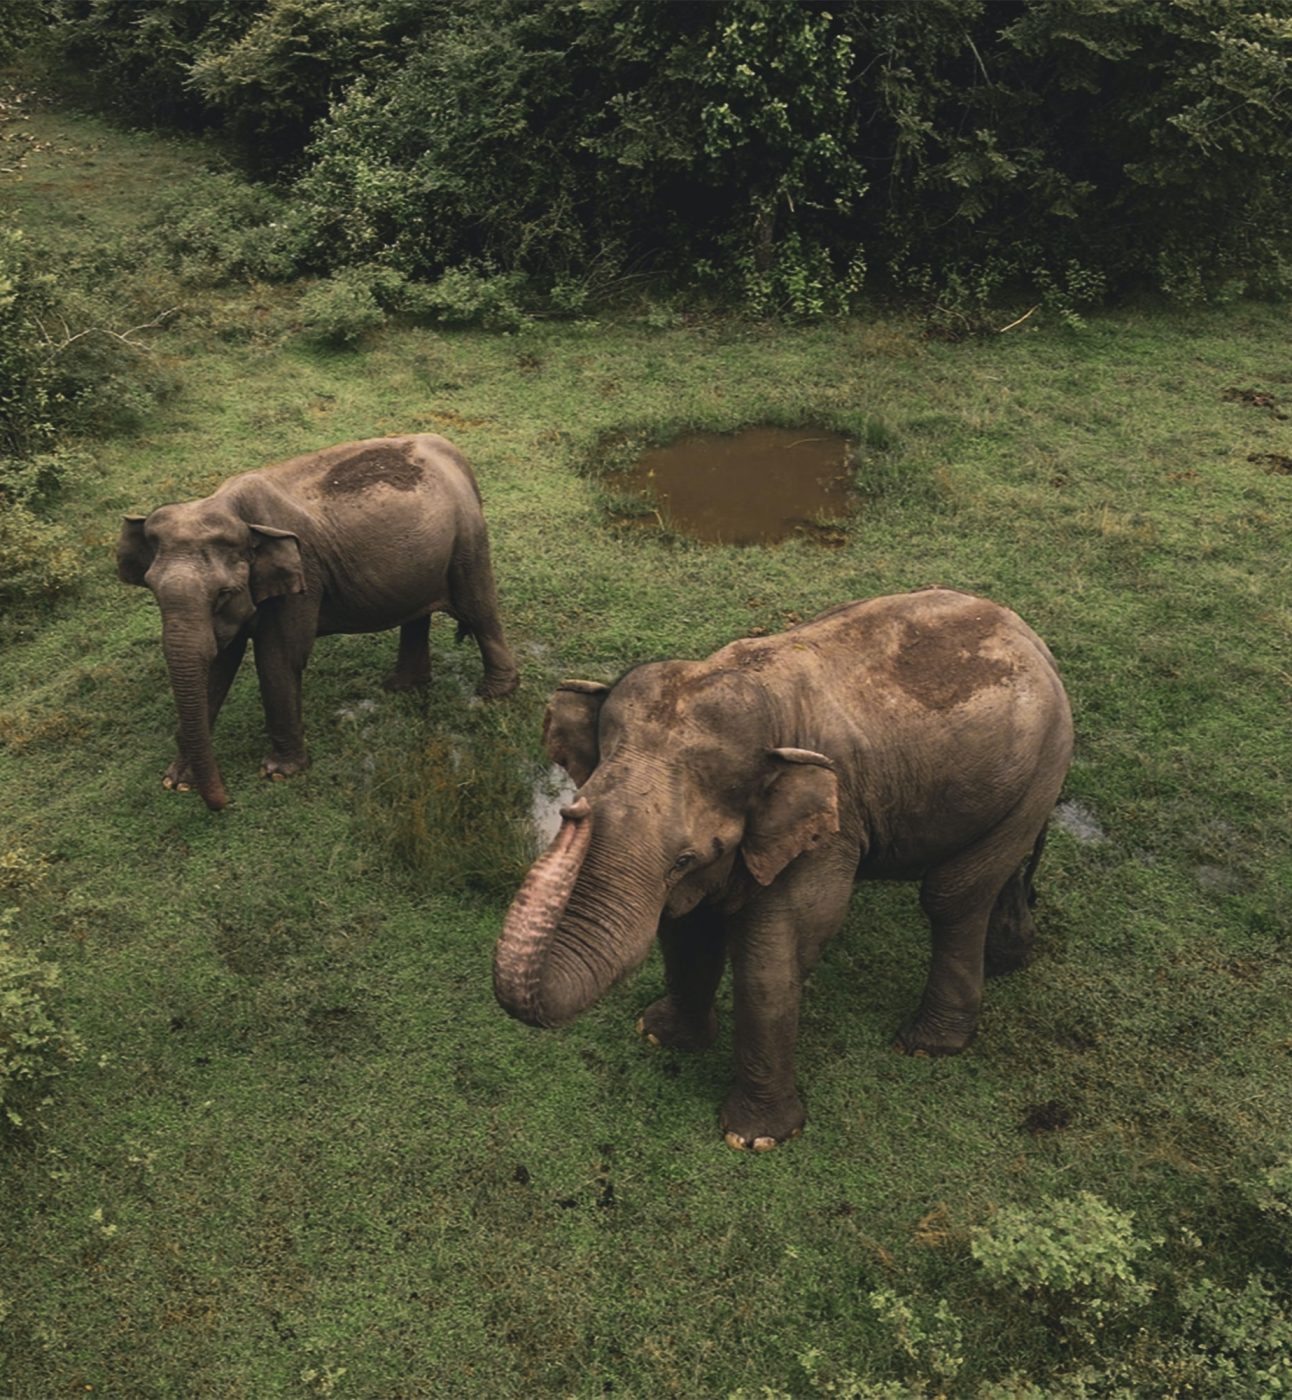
{"points": [[753, 487]]}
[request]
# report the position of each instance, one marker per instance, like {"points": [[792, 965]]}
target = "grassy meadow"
{"points": [[304, 1151]]}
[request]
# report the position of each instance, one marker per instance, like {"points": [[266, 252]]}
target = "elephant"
{"points": [[729, 805], [360, 537]]}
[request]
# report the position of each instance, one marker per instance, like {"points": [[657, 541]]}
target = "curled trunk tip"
{"points": [[534, 915]]}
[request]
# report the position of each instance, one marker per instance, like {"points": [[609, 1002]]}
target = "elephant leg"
{"points": [[959, 898], [179, 776], [775, 941], [413, 664], [695, 954], [473, 600], [1011, 929], [281, 653]]}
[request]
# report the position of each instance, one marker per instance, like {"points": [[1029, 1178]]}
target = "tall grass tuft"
{"points": [[456, 812]]}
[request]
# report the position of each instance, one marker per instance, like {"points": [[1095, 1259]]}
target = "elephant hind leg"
{"points": [[473, 600], [413, 664], [695, 955], [1011, 930]]}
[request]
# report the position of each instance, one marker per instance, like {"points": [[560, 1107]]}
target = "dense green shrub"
{"points": [[33, 1046], [343, 308], [26, 374], [217, 228], [780, 152]]}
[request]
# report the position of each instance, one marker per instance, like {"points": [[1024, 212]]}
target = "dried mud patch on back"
{"points": [[943, 666], [378, 466]]}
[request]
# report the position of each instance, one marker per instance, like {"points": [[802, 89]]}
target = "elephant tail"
{"points": [[1032, 862], [465, 630]]}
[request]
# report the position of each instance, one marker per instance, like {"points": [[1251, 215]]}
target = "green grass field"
{"points": [[305, 1152]]}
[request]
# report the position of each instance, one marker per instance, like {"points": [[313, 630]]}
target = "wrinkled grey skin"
{"points": [[729, 805], [356, 538]]}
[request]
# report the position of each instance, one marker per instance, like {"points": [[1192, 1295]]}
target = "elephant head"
{"points": [[682, 796], [209, 570]]}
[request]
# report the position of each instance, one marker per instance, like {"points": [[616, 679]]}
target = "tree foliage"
{"points": [[778, 150]]}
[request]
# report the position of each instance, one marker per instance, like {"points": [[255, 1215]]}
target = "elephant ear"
{"points": [[570, 727], [275, 563], [797, 807], [134, 553]]}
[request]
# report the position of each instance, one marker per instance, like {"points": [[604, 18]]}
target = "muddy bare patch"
{"points": [[1254, 398], [1273, 462], [378, 466], [758, 486]]}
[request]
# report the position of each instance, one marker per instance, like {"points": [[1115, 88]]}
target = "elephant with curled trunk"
{"points": [[357, 538], [729, 805]]}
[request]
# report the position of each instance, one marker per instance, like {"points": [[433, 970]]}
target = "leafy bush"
{"points": [[26, 376], [342, 309], [36, 482], [33, 1047], [470, 295], [218, 227], [1075, 1256], [776, 151], [37, 559]]}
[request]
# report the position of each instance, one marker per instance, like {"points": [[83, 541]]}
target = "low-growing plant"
{"points": [[218, 228], [1271, 1194], [342, 309], [1240, 1339], [455, 811], [473, 295], [36, 482], [929, 1339], [26, 376], [34, 1047], [1075, 1256], [21, 870], [37, 558]]}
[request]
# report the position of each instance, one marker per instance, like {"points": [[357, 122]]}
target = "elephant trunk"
{"points": [[189, 653], [586, 914], [521, 954]]}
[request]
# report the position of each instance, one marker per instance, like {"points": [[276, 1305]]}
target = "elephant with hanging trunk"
{"points": [[357, 538], [729, 805]]}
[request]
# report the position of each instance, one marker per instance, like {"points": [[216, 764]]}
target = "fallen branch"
{"points": [[124, 337], [1020, 320]]}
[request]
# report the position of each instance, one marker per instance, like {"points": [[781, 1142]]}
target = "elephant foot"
{"points": [[178, 777], [662, 1024], [757, 1126], [277, 768], [496, 686], [935, 1033]]}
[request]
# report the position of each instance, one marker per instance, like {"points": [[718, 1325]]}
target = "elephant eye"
{"points": [[683, 862]]}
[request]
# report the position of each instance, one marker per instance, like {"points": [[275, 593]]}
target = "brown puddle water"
{"points": [[752, 487]]}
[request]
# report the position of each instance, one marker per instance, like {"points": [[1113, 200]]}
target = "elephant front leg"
{"points": [[280, 668], [774, 944], [179, 776], [764, 1108], [695, 954]]}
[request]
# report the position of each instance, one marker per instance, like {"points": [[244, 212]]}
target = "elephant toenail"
{"points": [[736, 1141], [764, 1144]]}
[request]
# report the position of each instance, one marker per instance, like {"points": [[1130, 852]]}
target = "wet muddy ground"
{"points": [[753, 487]]}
